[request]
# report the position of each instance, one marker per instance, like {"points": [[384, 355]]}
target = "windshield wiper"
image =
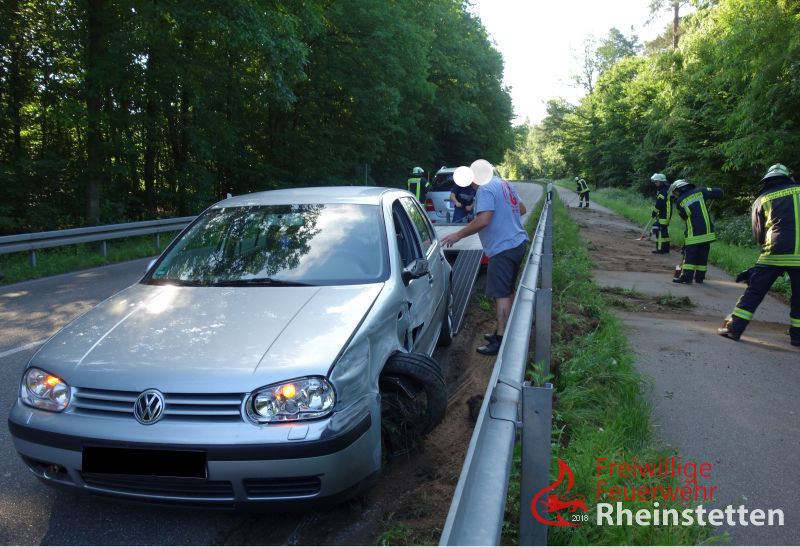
{"points": [[260, 282]]}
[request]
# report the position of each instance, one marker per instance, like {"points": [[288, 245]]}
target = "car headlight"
{"points": [[298, 399], [40, 389]]}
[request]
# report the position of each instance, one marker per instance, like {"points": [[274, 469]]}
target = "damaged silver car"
{"points": [[255, 361]]}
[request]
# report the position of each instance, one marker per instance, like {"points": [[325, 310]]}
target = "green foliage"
{"points": [[717, 110], [112, 112]]}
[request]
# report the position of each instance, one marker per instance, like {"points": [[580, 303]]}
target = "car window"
{"points": [[406, 234], [421, 222], [442, 182], [308, 244]]}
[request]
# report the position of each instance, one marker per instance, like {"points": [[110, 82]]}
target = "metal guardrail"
{"points": [[478, 506], [42, 240]]}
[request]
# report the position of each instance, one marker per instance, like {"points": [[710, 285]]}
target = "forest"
{"points": [[139, 109], [116, 111], [716, 103]]}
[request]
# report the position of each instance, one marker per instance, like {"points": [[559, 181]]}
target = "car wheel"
{"points": [[413, 400], [446, 333]]}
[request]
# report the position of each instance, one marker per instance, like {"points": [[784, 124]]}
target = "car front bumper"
{"points": [[285, 465]]}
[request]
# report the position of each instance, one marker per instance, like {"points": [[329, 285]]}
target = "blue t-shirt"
{"points": [[465, 196], [505, 231]]}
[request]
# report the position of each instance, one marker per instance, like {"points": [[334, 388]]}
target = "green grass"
{"points": [[69, 258], [601, 407]]}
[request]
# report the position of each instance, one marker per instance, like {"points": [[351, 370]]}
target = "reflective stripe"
{"points": [[794, 322], [779, 260], [689, 267], [705, 238], [743, 314]]}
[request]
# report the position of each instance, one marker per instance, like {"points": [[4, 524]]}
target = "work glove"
{"points": [[653, 214], [744, 276]]}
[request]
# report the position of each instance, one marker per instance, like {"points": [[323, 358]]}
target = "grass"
{"points": [[600, 407], [69, 258]]}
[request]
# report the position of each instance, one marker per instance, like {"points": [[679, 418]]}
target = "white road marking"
{"points": [[23, 348]]}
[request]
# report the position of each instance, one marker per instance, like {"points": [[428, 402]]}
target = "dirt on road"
{"points": [[731, 404]]}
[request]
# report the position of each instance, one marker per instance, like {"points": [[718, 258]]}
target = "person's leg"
{"points": [[687, 272], [794, 310], [501, 278], [701, 262], [662, 241], [760, 281]]}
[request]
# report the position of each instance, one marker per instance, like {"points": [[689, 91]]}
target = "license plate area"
{"points": [[144, 462]]}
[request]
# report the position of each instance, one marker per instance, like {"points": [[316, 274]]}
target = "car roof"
{"points": [[445, 170], [365, 195]]}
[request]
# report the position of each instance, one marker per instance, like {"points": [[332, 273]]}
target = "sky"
{"points": [[540, 41]]}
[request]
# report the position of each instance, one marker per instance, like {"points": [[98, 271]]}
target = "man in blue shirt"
{"points": [[463, 200], [498, 223]]}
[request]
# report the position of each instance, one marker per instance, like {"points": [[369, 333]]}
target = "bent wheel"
{"points": [[413, 400]]}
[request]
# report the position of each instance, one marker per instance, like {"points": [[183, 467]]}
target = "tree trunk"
{"points": [[675, 23], [150, 139], [94, 107]]}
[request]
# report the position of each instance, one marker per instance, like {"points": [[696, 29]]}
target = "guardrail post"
{"points": [[103, 248], [32, 258], [543, 321], [158, 241], [537, 417]]}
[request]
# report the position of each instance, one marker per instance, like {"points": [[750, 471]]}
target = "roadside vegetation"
{"points": [[600, 407], [70, 258]]}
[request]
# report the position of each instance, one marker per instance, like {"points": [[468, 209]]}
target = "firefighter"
{"points": [[662, 211], [690, 202], [418, 184], [775, 219], [583, 191]]}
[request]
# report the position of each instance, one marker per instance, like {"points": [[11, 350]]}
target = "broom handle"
{"points": [[646, 227]]}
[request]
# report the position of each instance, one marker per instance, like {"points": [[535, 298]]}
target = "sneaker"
{"points": [[727, 333], [681, 280], [492, 348]]}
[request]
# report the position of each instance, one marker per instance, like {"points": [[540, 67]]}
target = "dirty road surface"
{"points": [[734, 405]]}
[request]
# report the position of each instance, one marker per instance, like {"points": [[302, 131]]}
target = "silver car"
{"points": [[255, 361], [438, 206]]}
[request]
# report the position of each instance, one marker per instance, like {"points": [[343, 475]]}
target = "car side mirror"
{"points": [[415, 270]]}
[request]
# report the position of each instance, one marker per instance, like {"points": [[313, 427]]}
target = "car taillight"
{"points": [[429, 205]]}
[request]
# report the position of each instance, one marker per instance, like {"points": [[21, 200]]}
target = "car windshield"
{"points": [[294, 245], [442, 182]]}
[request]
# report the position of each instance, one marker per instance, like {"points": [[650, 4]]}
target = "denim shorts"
{"points": [[501, 273]]}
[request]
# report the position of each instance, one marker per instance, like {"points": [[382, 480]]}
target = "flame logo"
{"points": [[554, 503]]}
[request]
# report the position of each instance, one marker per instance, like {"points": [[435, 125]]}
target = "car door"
{"points": [[428, 291]]}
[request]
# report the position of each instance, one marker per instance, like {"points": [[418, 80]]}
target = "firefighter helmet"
{"points": [[577, 179], [677, 185], [658, 177], [777, 170], [417, 171]]}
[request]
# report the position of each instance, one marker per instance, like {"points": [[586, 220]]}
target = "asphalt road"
{"points": [[34, 514]]}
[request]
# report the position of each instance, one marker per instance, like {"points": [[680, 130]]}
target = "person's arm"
{"points": [[522, 208], [454, 200], [477, 224]]}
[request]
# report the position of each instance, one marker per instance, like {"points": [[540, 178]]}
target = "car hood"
{"points": [[201, 339]]}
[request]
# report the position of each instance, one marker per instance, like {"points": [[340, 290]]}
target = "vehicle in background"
{"points": [[438, 206]]}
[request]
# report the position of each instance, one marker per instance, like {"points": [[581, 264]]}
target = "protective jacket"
{"points": [[662, 210], [581, 186], [776, 223], [418, 186], [692, 208]]}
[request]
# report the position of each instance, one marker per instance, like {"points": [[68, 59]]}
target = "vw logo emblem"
{"points": [[149, 407]]}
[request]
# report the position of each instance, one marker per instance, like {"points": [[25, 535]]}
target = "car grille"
{"points": [[160, 487], [179, 406], [282, 488]]}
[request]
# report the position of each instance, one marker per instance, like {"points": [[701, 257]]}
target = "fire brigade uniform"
{"points": [[776, 227], [418, 184], [699, 232], [662, 212], [583, 192]]}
